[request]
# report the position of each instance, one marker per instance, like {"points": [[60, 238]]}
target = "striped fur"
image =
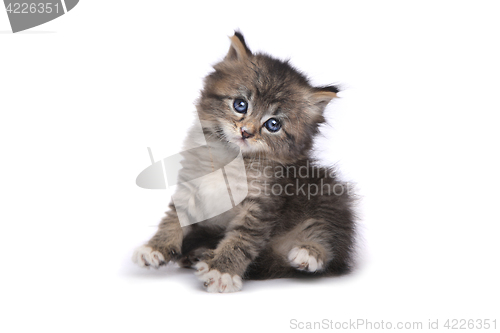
{"points": [[268, 234]]}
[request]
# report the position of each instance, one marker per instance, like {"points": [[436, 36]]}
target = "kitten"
{"points": [[297, 218]]}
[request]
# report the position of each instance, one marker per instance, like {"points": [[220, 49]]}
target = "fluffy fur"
{"points": [[269, 234]]}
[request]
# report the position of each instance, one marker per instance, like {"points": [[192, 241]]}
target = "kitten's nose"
{"points": [[245, 133]]}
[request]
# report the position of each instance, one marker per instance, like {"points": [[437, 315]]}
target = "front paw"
{"points": [[217, 282], [145, 256]]}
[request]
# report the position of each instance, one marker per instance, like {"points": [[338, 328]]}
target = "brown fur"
{"points": [[254, 238]]}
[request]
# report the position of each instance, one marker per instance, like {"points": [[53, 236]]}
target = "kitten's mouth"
{"points": [[243, 143], [238, 140]]}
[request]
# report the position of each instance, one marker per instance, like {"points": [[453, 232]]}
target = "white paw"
{"points": [[215, 282], [144, 256], [302, 260]]}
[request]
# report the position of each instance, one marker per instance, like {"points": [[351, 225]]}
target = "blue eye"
{"points": [[240, 105], [273, 125]]}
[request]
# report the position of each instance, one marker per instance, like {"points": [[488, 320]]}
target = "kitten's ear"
{"points": [[321, 96], [238, 49]]}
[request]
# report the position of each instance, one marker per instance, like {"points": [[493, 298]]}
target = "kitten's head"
{"points": [[262, 104]]}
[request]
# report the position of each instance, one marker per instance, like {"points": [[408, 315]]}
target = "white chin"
{"points": [[243, 144]]}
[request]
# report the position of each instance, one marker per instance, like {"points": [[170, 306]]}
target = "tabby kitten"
{"points": [[297, 218]]}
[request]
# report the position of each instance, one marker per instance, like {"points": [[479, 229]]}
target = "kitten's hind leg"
{"points": [[307, 246], [307, 257]]}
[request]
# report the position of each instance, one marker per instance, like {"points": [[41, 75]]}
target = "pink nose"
{"points": [[245, 134]]}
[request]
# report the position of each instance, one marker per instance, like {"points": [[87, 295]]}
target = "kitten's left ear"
{"points": [[238, 49], [321, 96]]}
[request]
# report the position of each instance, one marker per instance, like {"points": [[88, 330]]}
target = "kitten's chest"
{"points": [[261, 178], [210, 185]]}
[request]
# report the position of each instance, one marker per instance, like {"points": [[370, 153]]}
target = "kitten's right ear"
{"points": [[238, 49]]}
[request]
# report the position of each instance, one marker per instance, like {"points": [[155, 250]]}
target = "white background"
{"points": [[416, 128]]}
